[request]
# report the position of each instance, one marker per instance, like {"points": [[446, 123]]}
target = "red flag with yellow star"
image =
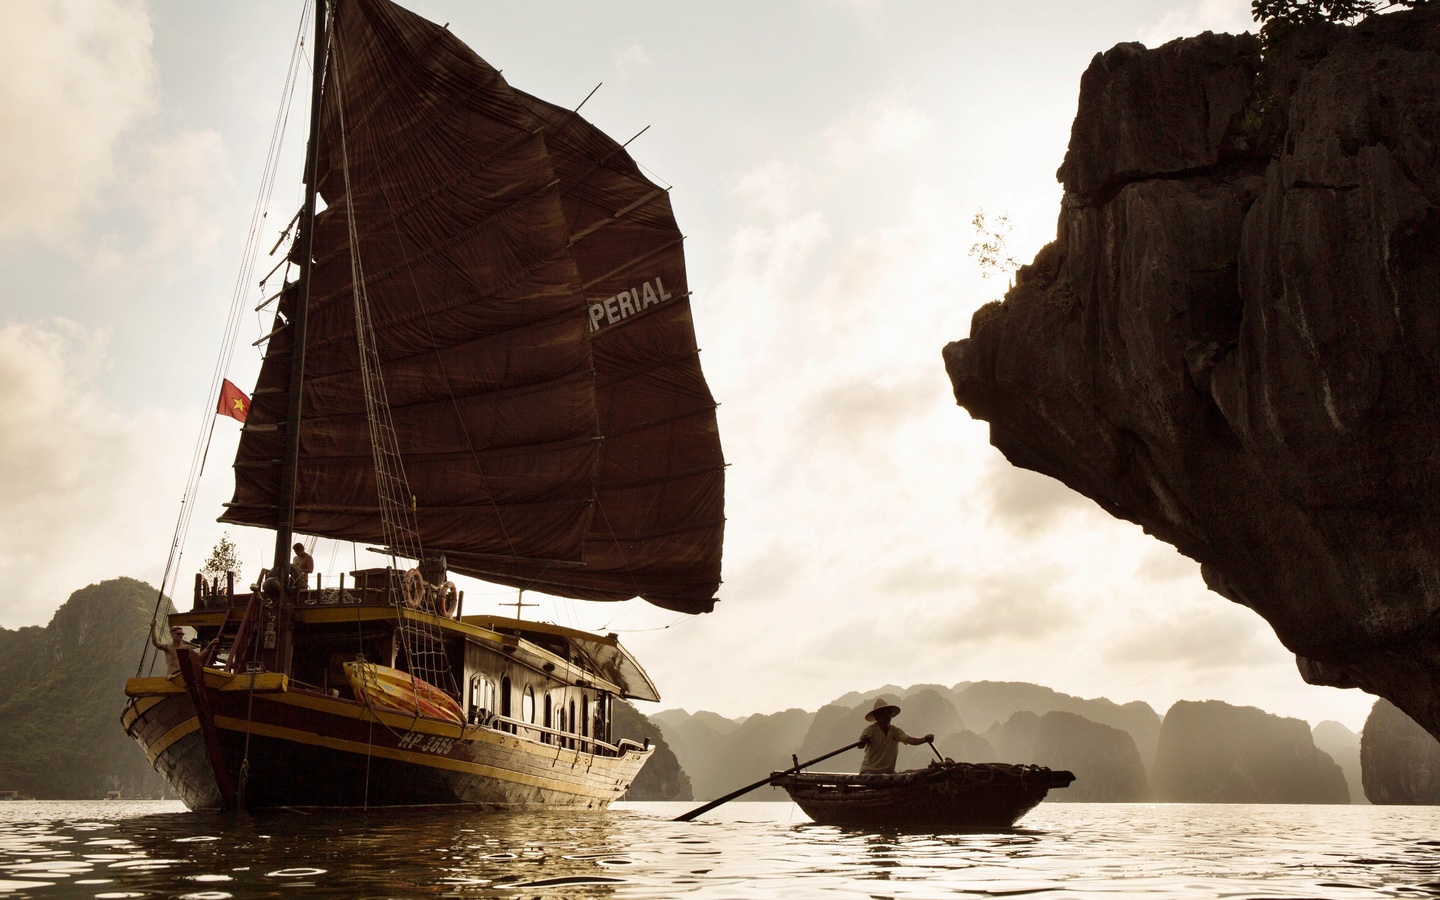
{"points": [[233, 402]]}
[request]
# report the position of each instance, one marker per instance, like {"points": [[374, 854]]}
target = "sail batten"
{"points": [[531, 326]]}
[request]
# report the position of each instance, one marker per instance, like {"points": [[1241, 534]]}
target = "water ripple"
{"points": [[760, 850]]}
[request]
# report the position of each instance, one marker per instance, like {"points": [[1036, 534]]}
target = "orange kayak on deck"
{"points": [[392, 689]]}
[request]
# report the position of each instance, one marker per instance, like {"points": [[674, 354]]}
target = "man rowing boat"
{"points": [[882, 740]]}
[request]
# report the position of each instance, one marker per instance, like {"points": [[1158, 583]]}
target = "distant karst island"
{"points": [[1198, 752]]}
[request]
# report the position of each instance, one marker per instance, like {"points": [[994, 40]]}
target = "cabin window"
{"points": [[572, 726], [585, 715], [549, 720], [482, 697], [601, 734], [527, 705]]}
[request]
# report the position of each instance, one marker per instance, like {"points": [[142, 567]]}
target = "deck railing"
{"points": [[366, 587], [565, 739]]}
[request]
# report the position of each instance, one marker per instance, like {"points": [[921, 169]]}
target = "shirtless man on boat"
{"points": [[300, 568], [882, 740], [177, 641]]}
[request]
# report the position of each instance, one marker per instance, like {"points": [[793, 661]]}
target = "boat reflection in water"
{"points": [[380, 852], [767, 849]]}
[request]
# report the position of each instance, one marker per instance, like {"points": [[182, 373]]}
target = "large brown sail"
{"points": [[545, 445], [659, 523]]}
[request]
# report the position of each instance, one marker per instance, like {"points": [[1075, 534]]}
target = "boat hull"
{"points": [[286, 748], [943, 797]]}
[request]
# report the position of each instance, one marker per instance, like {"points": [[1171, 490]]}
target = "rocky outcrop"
{"points": [[1014, 739], [1399, 760], [720, 760], [1212, 752], [63, 692], [19, 649], [1234, 340], [983, 704], [661, 778], [923, 712], [1343, 745], [1106, 764], [966, 746]]}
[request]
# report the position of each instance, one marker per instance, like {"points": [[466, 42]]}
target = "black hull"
{"points": [[285, 749], [283, 775], [944, 797]]}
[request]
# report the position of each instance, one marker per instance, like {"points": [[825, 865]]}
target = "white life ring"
{"points": [[412, 588], [449, 600]]}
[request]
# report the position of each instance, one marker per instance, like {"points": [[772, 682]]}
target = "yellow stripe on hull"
{"points": [[153, 751], [541, 755], [405, 756]]}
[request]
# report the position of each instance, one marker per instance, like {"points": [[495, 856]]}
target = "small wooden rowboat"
{"points": [[946, 796]]}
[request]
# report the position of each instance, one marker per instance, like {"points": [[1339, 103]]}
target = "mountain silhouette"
{"points": [[63, 688], [1212, 752]]}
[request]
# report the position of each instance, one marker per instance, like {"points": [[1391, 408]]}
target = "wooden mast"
{"points": [[279, 658]]}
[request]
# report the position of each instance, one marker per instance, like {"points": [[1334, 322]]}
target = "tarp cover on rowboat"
{"points": [[526, 286]]}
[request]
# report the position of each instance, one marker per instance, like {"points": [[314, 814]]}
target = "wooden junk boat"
{"points": [[945, 796], [485, 364]]}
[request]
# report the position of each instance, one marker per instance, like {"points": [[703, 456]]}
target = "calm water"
{"points": [[120, 849]]}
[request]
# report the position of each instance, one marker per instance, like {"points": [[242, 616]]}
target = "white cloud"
{"points": [[82, 168], [985, 606], [884, 125], [174, 189], [869, 13], [633, 58], [773, 188], [74, 77], [1026, 500], [1164, 563], [1212, 637], [1219, 16], [85, 485], [856, 410]]}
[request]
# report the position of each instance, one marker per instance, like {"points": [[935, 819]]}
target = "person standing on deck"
{"points": [[882, 740], [177, 641]]}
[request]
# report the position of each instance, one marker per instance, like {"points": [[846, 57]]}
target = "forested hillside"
{"points": [[62, 694]]}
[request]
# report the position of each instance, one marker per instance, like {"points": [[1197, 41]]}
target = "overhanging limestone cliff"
{"points": [[1234, 340]]}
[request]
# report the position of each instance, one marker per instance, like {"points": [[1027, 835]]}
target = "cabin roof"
{"points": [[600, 654]]}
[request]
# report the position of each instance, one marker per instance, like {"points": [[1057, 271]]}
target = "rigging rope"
{"points": [[422, 639], [232, 326], [397, 506]]}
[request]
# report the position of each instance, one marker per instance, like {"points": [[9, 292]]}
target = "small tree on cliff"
{"points": [[1278, 17], [1308, 12], [989, 248], [222, 559]]}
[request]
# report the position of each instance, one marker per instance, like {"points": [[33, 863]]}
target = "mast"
{"points": [[290, 459], [523, 291]]}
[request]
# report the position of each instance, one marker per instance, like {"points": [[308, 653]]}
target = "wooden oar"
{"points": [[750, 787], [937, 752]]}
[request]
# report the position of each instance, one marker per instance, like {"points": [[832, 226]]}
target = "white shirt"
{"points": [[881, 749]]}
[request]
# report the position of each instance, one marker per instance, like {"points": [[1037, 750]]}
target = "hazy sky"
{"points": [[826, 158]]}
